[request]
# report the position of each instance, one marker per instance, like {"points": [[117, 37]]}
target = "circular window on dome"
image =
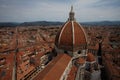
{"points": [[79, 52]]}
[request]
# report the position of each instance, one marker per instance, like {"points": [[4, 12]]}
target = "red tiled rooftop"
{"points": [[25, 70], [55, 68], [90, 57], [81, 60], [8, 67], [108, 56], [95, 47], [111, 69], [72, 74]]}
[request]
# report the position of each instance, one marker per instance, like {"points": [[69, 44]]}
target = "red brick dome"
{"points": [[71, 37]]}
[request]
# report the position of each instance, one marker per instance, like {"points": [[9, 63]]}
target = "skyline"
{"points": [[57, 10]]}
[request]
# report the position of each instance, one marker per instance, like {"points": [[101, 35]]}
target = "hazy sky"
{"points": [[57, 10]]}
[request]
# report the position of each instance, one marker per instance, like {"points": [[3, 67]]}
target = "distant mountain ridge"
{"points": [[9, 24], [103, 23], [41, 23], [50, 23]]}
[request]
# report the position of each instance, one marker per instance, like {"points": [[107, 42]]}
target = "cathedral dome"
{"points": [[72, 36]]}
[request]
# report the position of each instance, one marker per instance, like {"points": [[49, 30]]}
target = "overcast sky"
{"points": [[57, 10]]}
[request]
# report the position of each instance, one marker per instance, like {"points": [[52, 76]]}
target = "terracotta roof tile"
{"points": [[54, 69], [72, 74], [90, 57], [81, 60], [6, 70]]}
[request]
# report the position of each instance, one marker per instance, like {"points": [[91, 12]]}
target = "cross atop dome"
{"points": [[71, 15]]}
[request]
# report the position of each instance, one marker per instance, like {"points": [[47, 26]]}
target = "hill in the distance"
{"points": [[41, 23], [49, 23], [103, 23], [9, 24]]}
